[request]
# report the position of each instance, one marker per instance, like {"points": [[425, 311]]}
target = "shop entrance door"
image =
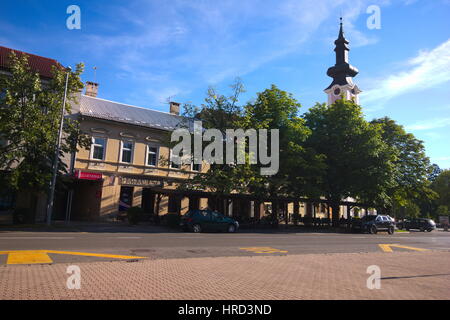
{"points": [[126, 198], [148, 202]]}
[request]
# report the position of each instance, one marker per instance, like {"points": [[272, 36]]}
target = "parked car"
{"points": [[421, 224], [392, 219], [374, 223], [207, 220], [401, 224]]}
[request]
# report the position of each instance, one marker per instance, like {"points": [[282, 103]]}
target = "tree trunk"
{"points": [[349, 218], [296, 212], [257, 210], [179, 199], [275, 212], [158, 202], [335, 213]]}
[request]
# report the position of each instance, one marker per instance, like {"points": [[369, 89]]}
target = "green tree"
{"points": [[358, 162], [442, 187], [219, 112], [299, 167], [442, 210], [434, 172], [407, 209], [412, 166], [29, 120]]}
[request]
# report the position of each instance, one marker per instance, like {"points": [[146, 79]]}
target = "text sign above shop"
{"points": [[82, 175], [140, 182]]}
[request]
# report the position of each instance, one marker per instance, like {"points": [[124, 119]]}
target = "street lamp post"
{"points": [[57, 149]]}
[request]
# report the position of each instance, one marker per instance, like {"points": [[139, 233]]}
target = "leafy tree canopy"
{"points": [[358, 161], [442, 187], [29, 121], [299, 166], [412, 166]]}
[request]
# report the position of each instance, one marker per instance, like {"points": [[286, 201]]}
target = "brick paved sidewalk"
{"points": [[405, 275]]}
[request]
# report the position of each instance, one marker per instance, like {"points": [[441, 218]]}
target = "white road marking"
{"points": [[189, 237], [127, 237]]}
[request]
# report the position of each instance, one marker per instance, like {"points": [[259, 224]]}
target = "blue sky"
{"points": [[148, 51]]}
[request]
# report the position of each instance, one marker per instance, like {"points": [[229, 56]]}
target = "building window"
{"points": [[152, 156], [127, 152], [98, 148], [173, 165], [196, 167]]}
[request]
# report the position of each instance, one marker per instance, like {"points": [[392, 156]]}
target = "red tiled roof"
{"points": [[38, 64]]}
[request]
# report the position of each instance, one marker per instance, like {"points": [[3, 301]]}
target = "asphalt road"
{"points": [[157, 245]]}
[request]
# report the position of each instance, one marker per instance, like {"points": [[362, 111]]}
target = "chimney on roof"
{"points": [[175, 108], [91, 89]]}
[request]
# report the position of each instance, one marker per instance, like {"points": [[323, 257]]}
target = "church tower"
{"points": [[342, 73]]}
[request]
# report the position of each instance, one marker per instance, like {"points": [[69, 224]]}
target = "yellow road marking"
{"points": [[28, 257], [388, 247], [41, 256], [101, 255], [263, 250]]}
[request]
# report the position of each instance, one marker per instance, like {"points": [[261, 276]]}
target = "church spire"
{"points": [[342, 72], [341, 47]]}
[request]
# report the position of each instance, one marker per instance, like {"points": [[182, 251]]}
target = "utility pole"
{"points": [[51, 196]]}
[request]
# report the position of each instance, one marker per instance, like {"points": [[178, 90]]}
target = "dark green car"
{"points": [[207, 220]]}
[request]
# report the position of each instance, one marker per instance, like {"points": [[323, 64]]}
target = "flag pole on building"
{"points": [[57, 149]]}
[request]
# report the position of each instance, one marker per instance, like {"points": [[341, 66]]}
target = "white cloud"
{"points": [[163, 96], [429, 124], [427, 69], [442, 158]]}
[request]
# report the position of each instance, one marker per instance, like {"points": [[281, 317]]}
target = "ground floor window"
{"points": [[148, 201], [194, 203], [7, 201], [126, 198], [174, 204]]}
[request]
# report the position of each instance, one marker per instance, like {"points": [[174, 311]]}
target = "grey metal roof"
{"points": [[109, 110]]}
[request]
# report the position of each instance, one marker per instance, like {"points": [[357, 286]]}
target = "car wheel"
{"points": [[391, 230], [231, 228], [373, 230], [422, 229], [197, 228]]}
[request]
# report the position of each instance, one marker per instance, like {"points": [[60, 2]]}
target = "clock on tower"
{"points": [[342, 73]]}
